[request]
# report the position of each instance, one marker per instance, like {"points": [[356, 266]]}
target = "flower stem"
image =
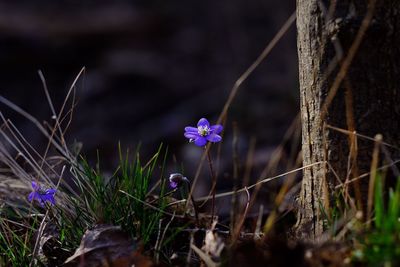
{"points": [[196, 213], [214, 183]]}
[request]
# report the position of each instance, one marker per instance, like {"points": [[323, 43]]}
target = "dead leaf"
{"points": [[107, 245], [213, 244]]}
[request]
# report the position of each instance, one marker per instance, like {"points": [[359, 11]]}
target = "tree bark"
{"points": [[367, 99]]}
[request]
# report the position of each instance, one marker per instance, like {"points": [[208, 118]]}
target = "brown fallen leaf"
{"points": [[107, 246]]}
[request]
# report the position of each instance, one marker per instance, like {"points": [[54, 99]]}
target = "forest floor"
{"points": [[59, 210]]}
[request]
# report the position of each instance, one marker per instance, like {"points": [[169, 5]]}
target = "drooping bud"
{"points": [[176, 180]]}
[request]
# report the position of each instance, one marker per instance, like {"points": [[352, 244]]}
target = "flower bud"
{"points": [[176, 180]]}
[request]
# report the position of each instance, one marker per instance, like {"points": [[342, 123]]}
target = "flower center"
{"points": [[203, 130], [42, 191]]}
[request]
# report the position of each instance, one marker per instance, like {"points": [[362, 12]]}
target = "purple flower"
{"points": [[203, 133], [176, 180], [42, 195]]}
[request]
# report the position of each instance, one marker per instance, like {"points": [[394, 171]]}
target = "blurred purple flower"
{"points": [[203, 133], [176, 180], [42, 195]]}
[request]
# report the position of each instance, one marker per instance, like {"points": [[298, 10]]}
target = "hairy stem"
{"points": [[214, 183]]}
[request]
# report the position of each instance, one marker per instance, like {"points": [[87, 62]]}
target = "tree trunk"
{"points": [[367, 99]]}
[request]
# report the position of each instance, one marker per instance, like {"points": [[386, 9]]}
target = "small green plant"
{"points": [[120, 199], [380, 244], [15, 246], [123, 199], [331, 216]]}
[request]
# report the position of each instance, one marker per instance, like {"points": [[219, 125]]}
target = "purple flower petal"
{"points": [[191, 135], [214, 138], [47, 198], [41, 195], [31, 196], [203, 122], [216, 129], [191, 129], [200, 141], [35, 186], [173, 185]]}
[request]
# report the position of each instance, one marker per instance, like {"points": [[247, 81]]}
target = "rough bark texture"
{"points": [[371, 92]]}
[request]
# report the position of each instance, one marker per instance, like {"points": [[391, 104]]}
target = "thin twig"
{"points": [[383, 167], [348, 59], [263, 181], [344, 131], [214, 185], [39, 234], [238, 227], [151, 206], [374, 165], [163, 236]]}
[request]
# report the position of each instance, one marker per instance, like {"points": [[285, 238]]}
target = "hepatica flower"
{"points": [[176, 180], [42, 195], [203, 133]]}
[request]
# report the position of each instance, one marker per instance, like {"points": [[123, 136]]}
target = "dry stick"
{"points": [[235, 159], [352, 167], [277, 155], [395, 170], [352, 139], [219, 149], [189, 255], [371, 186], [7, 237], [344, 131], [39, 234], [214, 185], [381, 144], [249, 162], [196, 209], [27, 156], [255, 64], [20, 138], [26, 143], [157, 241], [57, 125], [71, 90], [10, 162], [257, 231], [347, 62], [260, 182], [281, 197], [35, 122], [153, 207], [348, 59], [241, 79], [69, 114], [383, 167], [162, 238], [57, 116], [205, 257], [236, 232], [345, 65]]}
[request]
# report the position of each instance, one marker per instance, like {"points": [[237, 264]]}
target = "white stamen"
{"points": [[203, 130]]}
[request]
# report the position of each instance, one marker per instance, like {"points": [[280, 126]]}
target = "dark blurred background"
{"points": [[152, 68]]}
